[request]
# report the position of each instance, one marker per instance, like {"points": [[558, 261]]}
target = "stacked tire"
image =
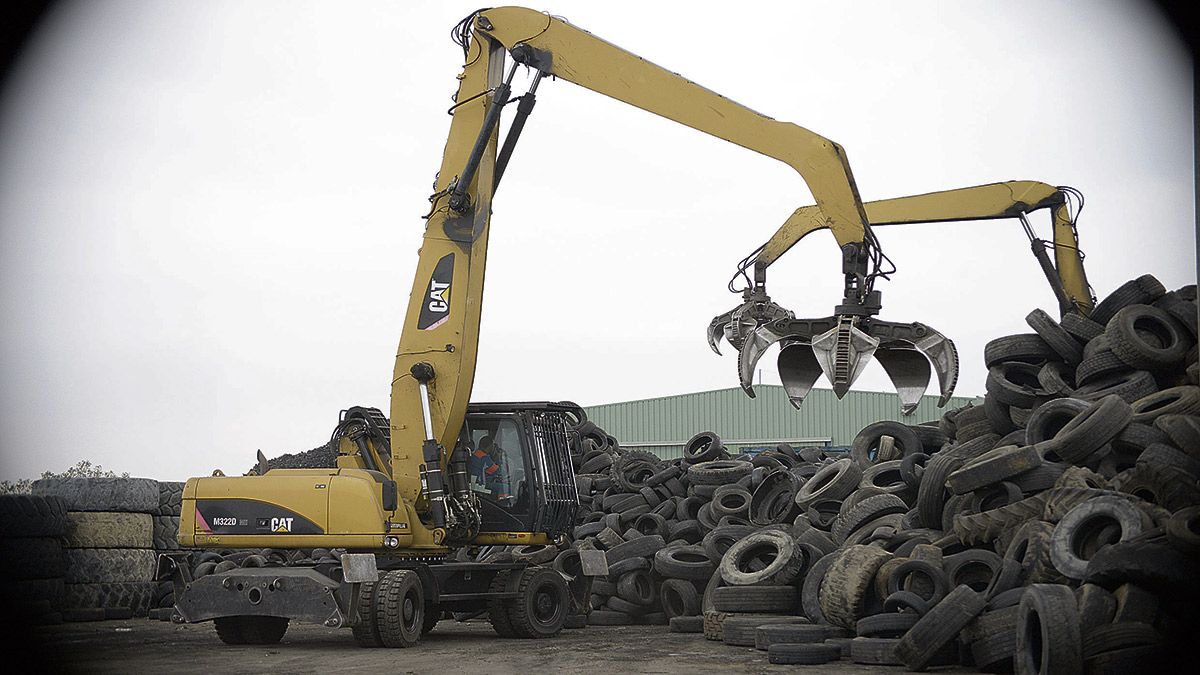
{"points": [[164, 534], [107, 541], [32, 564]]}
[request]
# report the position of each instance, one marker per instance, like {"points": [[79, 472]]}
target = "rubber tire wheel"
{"points": [[250, 630], [542, 604], [1128, 342], [847, 582], [24, 515], [939, 626], [1048, 637], [767, 599], [1140, 291], [399, 608], [803, 654], [102, 494]]}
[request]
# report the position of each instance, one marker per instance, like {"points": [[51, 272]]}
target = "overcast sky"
{"points": [[210, 212]]}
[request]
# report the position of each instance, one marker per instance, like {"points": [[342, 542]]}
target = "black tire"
{"points": [[138, 495], [109, 565], [892, 625], [810, 592], [686, 624], [768, 557], [1063, 343], [977, 569], [921, 645], [1086, 528], [634, 548], [792, 633], [703, 447], [24, 515], [875, 651], [1082, 328], [1096, 607], [165, 533], [170, 498], [137, 596], [833, 481], [864, 449], [866, 511], [1025, 348], [366, 631], [399, 608], [542, 606], [1183, 430], [803, 654], [1014, 384], [774, 499], [1129, 385], [1141, 291], [684, 562], [1048, 638], [1157, 567], [1183, 530], [764, 599], [718, 541], [719, 472], [739, 630], [250, 630], [98, 529], [31, 558], [1183, 400], [637, 587], [922, 577], [603, 617], [1091, 429], [1099, 367], [679, 598], [1147, 338], [992, 467], [1030, 548], [847, 582]]}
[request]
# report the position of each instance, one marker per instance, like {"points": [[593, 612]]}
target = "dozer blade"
{"points": [[909, 372], [799, 370], [843, 352]]}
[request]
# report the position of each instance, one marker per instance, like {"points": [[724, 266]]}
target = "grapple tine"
{"points": [[843, 352], [942, 353], [756, 344], [799, 370], [909, 372], [716, 330]]}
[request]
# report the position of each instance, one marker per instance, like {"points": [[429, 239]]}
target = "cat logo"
{"points": [[281, 525], [436, 308]]}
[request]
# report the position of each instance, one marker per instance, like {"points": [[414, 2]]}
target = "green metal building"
{"points": [[664, 425]]}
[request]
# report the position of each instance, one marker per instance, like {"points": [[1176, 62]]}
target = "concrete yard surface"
{"points": [[142, 647]]}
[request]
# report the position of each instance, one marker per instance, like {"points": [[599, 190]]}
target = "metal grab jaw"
{"points": [[838, 346]]}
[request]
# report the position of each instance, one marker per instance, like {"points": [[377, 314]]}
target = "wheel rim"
{"points": [[409, 610], [545, 605]]}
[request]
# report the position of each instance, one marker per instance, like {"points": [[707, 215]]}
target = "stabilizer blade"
{"points": [[799, 370]]}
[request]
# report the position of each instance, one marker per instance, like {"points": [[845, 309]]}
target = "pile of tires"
{"points": [[32, 563], [107, 543], [1054, 528], [164, 535]]}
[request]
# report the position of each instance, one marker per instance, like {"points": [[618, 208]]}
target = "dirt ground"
{"points": [[144, 647]]}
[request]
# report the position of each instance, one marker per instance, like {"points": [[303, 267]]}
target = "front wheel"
{"points": [[399, 608], [251, 630], [543, 604]]}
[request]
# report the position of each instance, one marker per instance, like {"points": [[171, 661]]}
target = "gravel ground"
{"points": [[141, 646]]}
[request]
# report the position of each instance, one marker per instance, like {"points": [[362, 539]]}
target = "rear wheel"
{"points": [[498, 610], [399, 608], [251, 630], [543, 604]]}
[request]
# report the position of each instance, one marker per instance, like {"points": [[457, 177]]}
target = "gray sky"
{"points": [[210, 212]]}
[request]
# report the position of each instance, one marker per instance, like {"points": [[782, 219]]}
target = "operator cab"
{"points": [[519, 465]]}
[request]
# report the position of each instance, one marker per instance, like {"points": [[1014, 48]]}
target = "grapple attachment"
{"points": [[739, 323], [840, 347]]}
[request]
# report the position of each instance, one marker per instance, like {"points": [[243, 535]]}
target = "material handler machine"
{"points": [[440, 473]]}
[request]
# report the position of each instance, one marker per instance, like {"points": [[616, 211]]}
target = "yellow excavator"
{"points": [[441, 473]]}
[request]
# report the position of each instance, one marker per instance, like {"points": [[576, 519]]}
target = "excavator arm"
{"points": [[1013, 199], [435, 362]]}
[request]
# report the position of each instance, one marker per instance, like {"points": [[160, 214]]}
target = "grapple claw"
{"points": [[716, 330], [752, 349], [843, 352], [909, 372], [798, 370]]}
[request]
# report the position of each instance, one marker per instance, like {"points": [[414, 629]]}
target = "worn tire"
{"points": [[847, 582], [1048, 638], [137, 495], [810, 592], [136, 595], [802, 654], [23, 515], [31, 558], [1063, 343], [109, 565], [170, 498], [863, 449], [684, 562], [922, 644], [99, 529], [1140, 291], [1147, 338], [763, 599], [686, 624], [786, 563], [1073, 542]]}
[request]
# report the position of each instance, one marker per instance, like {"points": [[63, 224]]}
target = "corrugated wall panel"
{"points": [[664, 424]]}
